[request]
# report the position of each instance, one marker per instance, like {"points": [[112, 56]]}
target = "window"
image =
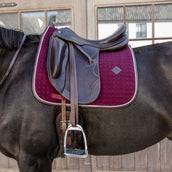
{"points": [[146, 24], [35, 22], [59, 18], [9, 20], [163, 20], [109, 19], [141, 30]]}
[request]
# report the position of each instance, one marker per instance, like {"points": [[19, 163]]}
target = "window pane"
{"points": [[135, 44], [139, 21], [163, 20], [109, 19], [59, 19], [164, 40], [10, 21], [33, 22]]}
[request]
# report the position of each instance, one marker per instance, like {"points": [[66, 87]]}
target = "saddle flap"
{"points": [[87, 67]]}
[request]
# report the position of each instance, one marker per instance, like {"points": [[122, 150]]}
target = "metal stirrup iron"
{"points": [[74, 152]]}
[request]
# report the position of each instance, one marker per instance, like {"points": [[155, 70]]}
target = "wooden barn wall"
{"points": [[157, 158]]}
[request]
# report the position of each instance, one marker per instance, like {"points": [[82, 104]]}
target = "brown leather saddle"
{"points": [[73, 67], [64, 44]]}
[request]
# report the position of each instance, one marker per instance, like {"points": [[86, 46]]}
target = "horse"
{"points": [[28, 131]]}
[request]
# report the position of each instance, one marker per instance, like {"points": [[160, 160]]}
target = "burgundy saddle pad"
{"points": [[117, 71]]}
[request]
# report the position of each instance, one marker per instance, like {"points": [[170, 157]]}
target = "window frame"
{"points": [[19, 13], [153, 39]]}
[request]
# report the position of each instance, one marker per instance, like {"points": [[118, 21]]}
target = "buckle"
{"points": [[65, 122], [74, 152]]}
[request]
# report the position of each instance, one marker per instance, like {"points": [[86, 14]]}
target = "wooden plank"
{"points": [[119, 2], [128, 162], [61, 163], [72, 163], [154, 159], [166, 155], [12, 163], [116, 171], [79, 21], [102, 162], [3, 161], [12, 170], [9, 170], [141, 160], [85, 164], [54, 164], [66, 171], [38, 5], [115, 162], [94, 163], [92, 20]]}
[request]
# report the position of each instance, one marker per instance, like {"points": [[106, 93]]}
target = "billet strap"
{"points": [[63, 116], [65, 122]]}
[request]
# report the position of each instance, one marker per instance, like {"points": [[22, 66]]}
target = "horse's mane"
{"points": [[10, 38]]}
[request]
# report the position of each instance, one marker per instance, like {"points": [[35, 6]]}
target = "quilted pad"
{"points": [[117, 71]]}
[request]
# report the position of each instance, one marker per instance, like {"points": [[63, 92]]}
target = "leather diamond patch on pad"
{"points": [[116, 70]]}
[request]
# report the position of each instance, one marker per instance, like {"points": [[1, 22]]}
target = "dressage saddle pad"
{"points": [[117, 74]]}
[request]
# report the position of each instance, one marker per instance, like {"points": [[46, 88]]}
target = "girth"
{"points": [[73, 69]]}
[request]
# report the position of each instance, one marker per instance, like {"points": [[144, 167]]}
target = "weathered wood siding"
{"points": [[157, 158]]}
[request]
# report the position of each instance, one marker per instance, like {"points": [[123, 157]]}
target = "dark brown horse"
{"points": [[27, 127]]}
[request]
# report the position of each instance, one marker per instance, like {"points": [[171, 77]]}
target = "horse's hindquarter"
{"points": [[147, 119]]}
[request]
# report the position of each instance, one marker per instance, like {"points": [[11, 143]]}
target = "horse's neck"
{"points": [[5, 58]]}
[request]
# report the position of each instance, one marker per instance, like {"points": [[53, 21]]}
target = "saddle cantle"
{"points": [[86, 56]]}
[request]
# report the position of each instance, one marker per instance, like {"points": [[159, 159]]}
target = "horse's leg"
{"points": [[28, 163]]}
